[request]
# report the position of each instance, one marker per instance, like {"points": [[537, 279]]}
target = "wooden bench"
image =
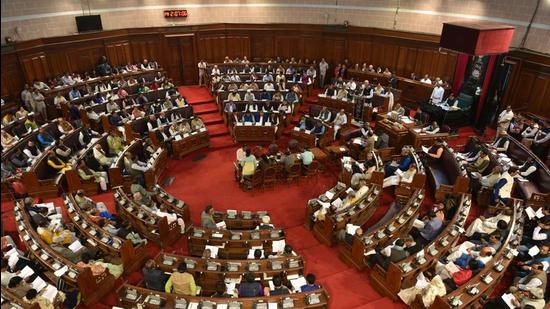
{"points": [[357, 214], [92, 288], [146, 224], [232, 245], [403, 274], [132, 257], [384, 233], [207, 272], [131, 296]]}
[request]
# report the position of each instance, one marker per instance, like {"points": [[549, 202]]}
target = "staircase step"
{"points": [[212, 118], [217, 129], [205, 109], [202, 101], [220, 142]]}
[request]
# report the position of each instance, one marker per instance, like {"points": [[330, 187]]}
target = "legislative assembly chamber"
{"points": [[263, 154]]}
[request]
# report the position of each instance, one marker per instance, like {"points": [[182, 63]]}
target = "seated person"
{"points": [[101, 157], [162, 212], [56, 163], [266, 224], [181, 282], [431, 129], [115, 142], [502, 190], [247, 117], [311, 285], [307, 157], [250, 287], [390, 254], [8, 140], [485, 226], [400, 177], [436, 151], [154, 278], [480, 165], [340, 120], [98, 267], [221, 291], [403, 164], [207, 219], [279, 288], [501, 142], [44, 138], [431, 226]]}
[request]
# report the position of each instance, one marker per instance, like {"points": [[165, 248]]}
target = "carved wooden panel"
{"points": [[118, 53], [35, 67]]}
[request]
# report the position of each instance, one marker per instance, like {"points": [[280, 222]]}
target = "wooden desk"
{"points": [[412, 91], [314, 204], [208, 272], [132, 257], [403, 274], [299, 299], [418, 139], [148, 225], [175, 205], [252, 133], [348, 106], [401, 223], [92, 288], [397, 133], [245, 220], [233, 248], [503, 257], [357, 214]]}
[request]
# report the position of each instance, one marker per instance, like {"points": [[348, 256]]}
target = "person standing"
{"points": [[202, 72], [323, 67], [504, 120]]}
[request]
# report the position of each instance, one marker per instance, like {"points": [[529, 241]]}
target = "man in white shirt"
{"points": [[26, 97], [340, 120], [437, 94], [202, 72], [504, 120], [323, 67], [426, 80]]}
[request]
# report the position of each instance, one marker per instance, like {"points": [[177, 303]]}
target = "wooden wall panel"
{"points": [[312, 48], [35, 67], [237, 46], [84, 59], [262, 47], [288, 46], [58, 62], [12, 80], [212, 48], [188, 60], [118, 53]]}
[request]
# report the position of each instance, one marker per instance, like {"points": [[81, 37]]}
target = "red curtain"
{"points": [[460, 70], [486, 81]]}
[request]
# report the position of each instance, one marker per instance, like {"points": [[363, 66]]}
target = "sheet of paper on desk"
{"points": [[425, 149], [221, 225], [278, 245], [38, 284], [213, 250], [26, 272], [539, 213], [421, 281], [221, 306], [177, 137], [193, 306], [50, 293], [324, 205], [530, 212], [272, 306], [296, 129], [507, 298], [371, 252], [75, 246], [534, 251], [258, 124], [298, 283], [337, 203], [60, 272], [329, 195], [451, 268], [350, 228], [248, 123]]}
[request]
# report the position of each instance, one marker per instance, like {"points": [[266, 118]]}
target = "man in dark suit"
{"points": [[154, 278], [396, 254], [411, 246]]}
